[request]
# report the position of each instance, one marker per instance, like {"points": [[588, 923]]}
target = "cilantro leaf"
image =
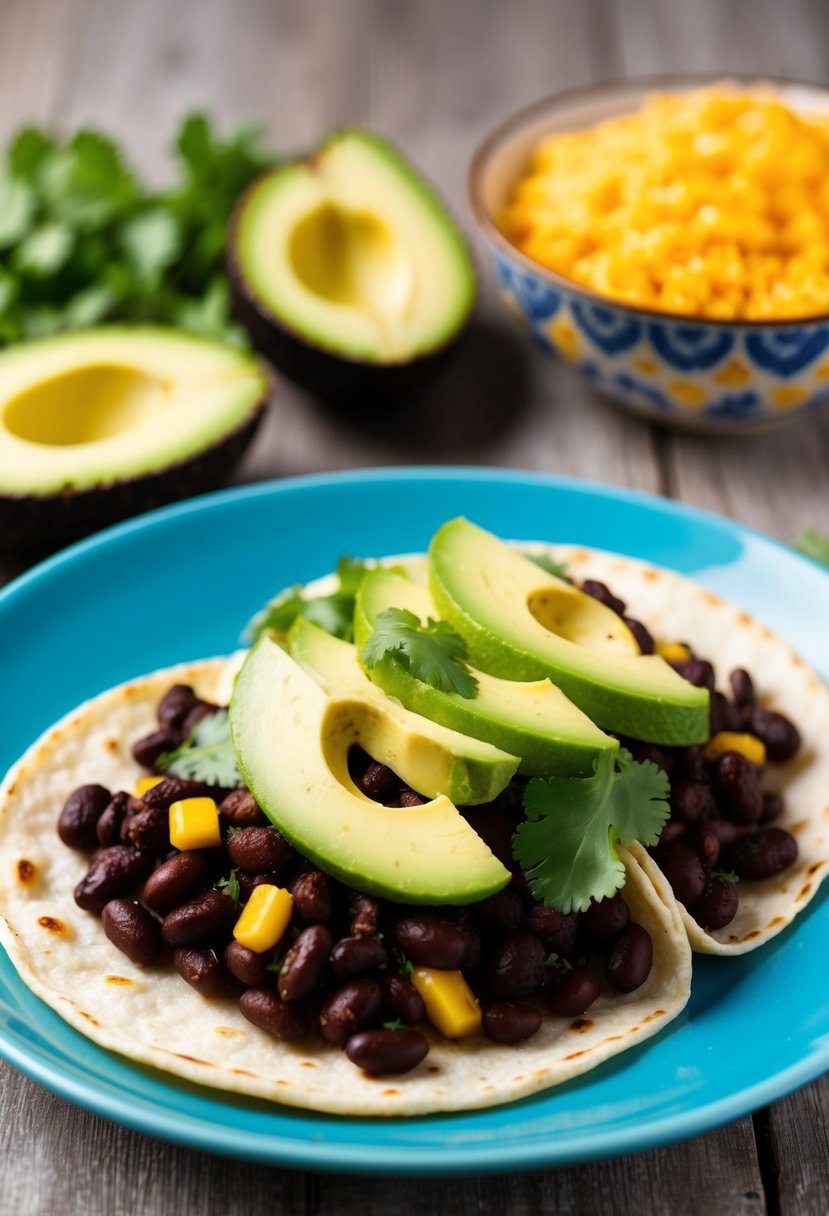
{"points": [[404, 965], [567, 844], [206, 754], [334, 613], [395, 1025], [433, 652], [230, 886], [550, 565], [815, 545]]}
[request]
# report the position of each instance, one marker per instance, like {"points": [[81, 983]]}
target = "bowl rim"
{"points": [[511, 126]]}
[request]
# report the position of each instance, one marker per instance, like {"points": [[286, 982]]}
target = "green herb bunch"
{"points": [[83, 240]]}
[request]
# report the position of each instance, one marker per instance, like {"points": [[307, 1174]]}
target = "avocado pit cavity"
{"points": [[579, 619]]}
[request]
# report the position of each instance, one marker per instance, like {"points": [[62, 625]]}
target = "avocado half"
{"points": [[348, 271], [104, 423]]}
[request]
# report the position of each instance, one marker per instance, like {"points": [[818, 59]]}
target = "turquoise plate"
{"points": [[180, 584]]}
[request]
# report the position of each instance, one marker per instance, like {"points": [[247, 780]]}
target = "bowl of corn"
{"points": [[670, 239]]}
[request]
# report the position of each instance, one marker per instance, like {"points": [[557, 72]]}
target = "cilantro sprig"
{"points": [[230, 886], [550, 565], [83, 239], [433, 652], [334, 613], [567, 844], [206, 754], [815, 545]]}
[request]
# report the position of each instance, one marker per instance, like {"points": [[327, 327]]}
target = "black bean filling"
{"points": [[342, 968]]}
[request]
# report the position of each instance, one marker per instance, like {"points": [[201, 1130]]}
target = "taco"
{"points": [[146, 1013]]}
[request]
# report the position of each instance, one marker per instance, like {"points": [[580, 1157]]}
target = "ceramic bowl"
{"points": [[722, 377]]}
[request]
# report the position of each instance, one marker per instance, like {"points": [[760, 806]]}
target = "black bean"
{"points": [[387, 1051], [504, 910], [737, 788], [517, 967], [201, 969], [572, 992], [241, 810], [684, 871], [209, 916], [718, 904], [773, 806], [644, 639], [146, 750], [402, 1000], [366, 913], [602, 593], [379, 782], [763, 853], [356, 955], [495, 827], [696, 671], [174, 789], [304, 964], [607, 917], [108, 827], [175, 705], [247, 882], [313, 897], [256, 849], [672, 831], [146, 827], [409, 798], [247, 965], [742, 687], [131, 928], [473, 952], [352, 1007], [725, 831], [630, 960], [652, 751], [691, 764], [780, 735], [174, 881], [706, 845], [113, 872], [79, 817], [263, 1007], [504, 1022], [724, 715], [545, 922], [430, 941], [563, 941], [692, 800]]}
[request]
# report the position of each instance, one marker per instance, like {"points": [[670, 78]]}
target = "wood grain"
{"points": [[433, 75]]}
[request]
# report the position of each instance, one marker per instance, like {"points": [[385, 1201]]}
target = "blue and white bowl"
{"points": [[722, 377]]}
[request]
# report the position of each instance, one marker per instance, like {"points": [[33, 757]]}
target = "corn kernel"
{"points": [[143, 784], [750, 746], [674, 652], [194, 824], [264, 918], [450, 1004]]}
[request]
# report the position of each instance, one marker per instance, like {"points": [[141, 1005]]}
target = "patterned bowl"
{"points": [[722, 377]]}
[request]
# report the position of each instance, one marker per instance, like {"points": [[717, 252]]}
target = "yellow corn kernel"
{"points": [[265, 918], [194, 824], [143, 784], [673, 652], [750, 746], [450, 1004]]}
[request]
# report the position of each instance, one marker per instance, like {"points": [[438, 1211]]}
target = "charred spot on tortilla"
{"points": [[123, 980], [26, 871], [581, 1025], [53, 925]]}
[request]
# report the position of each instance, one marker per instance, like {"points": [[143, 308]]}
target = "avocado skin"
{"points": [[332, 377], [44, 522]]}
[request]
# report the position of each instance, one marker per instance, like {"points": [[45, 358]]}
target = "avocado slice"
{"points": [[534, 720], [292, 744], [98, 424], [436, 760], [522, 623], [348, 271]]}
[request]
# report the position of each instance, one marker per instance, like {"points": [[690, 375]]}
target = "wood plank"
{"points": [[799, 1128]]}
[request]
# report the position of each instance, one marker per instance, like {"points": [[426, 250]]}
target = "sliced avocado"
{"points": [[522, 623], [434, 760], [99, 424], [534, 720], [347, 269], [292, 743]]}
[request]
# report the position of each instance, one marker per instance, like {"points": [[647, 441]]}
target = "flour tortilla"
{"points": [[150, 1015]]}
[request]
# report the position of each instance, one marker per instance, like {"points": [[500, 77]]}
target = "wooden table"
{"points": [[435, 75]]}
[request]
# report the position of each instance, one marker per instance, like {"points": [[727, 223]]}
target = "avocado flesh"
{"points": [[521, 623], [352, 251], [86, 409], [434, 760], [292, 743], [534, 720]]}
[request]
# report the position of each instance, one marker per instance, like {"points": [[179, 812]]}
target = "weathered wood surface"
{"points": [[434, 75]]}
